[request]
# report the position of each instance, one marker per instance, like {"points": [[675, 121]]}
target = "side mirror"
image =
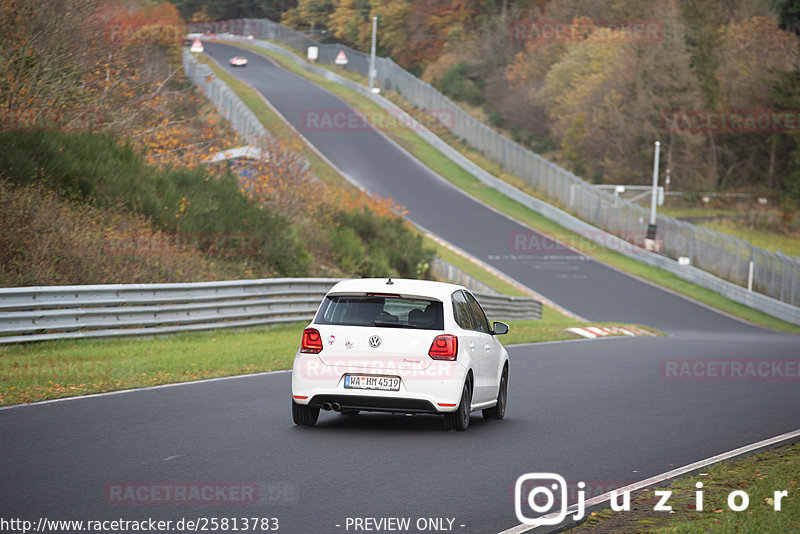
{"points": [[499, 329]]}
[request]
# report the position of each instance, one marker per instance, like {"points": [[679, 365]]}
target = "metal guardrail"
{"points": [[70, 312], [728, 257], [510, 308]]}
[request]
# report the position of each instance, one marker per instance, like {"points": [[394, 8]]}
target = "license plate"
{"points": [[383, 383]]}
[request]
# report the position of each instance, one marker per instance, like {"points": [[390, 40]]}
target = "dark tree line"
{"points": [[232, 9]]}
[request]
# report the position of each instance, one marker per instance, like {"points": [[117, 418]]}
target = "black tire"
{"points": [[498, 411], [459, 420], [304, 415]]}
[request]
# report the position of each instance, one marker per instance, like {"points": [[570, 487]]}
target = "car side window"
{"points": [[482, 324], [462, 311]]}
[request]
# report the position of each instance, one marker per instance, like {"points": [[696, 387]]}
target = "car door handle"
{"points": [[472, 346], [488, 348]]}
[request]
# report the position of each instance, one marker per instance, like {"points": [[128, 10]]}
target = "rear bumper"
{"points": [[435, 389], [375, 404]]}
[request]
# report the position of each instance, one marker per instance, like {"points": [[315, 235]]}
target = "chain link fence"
{"points": [[774, 274]]}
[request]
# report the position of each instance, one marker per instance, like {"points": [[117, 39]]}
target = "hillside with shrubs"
{"points": [[105, 174]]}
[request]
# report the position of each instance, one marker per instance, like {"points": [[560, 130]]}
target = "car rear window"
{"points": [[385, 311]]}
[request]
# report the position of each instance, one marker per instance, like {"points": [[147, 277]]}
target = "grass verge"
{"points": [[67, 368], [458, 176], [758, 476]]}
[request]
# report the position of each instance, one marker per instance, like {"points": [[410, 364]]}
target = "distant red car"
{"points": [[238, 61]]}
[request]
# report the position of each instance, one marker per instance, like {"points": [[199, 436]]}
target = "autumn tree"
{"points": [[233, 9], [750, 57], [392, 25], [349, 22], [313, 14], [605, 97]]}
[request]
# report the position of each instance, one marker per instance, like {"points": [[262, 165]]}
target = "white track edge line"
{"points": [[577, 339], [145, 388]]}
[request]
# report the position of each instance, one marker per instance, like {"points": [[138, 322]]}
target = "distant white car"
{"points": [[407, 346], [238, 61]]}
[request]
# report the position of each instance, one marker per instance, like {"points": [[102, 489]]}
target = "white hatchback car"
{"points": [[407, 346]]}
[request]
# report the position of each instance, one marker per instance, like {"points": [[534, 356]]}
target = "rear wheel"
{"points": [[459, 420], [304, 415], [498, 411]]}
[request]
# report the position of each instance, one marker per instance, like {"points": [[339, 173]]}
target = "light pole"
{"points": [[372, 54], [655, 186], [650, 237]]}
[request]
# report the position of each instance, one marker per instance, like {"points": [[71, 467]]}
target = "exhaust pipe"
{"points": [[336, 406], [326, 406]]}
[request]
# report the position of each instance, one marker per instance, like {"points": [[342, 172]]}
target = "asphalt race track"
{"points": [[605, 412]]}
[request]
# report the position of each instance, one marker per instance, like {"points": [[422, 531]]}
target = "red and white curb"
{"points": [[603, 331]]}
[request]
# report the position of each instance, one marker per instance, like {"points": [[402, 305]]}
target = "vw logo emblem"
{"points": [[375, 341]]}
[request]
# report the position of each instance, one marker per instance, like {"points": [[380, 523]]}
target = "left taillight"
{"points": [[444, 347], [312, 341]]}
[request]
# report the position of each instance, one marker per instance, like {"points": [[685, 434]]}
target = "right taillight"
{"points": [[312, 341], [444, 347]]}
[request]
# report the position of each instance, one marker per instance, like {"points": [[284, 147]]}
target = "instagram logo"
{"points": [[541, 491]]}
